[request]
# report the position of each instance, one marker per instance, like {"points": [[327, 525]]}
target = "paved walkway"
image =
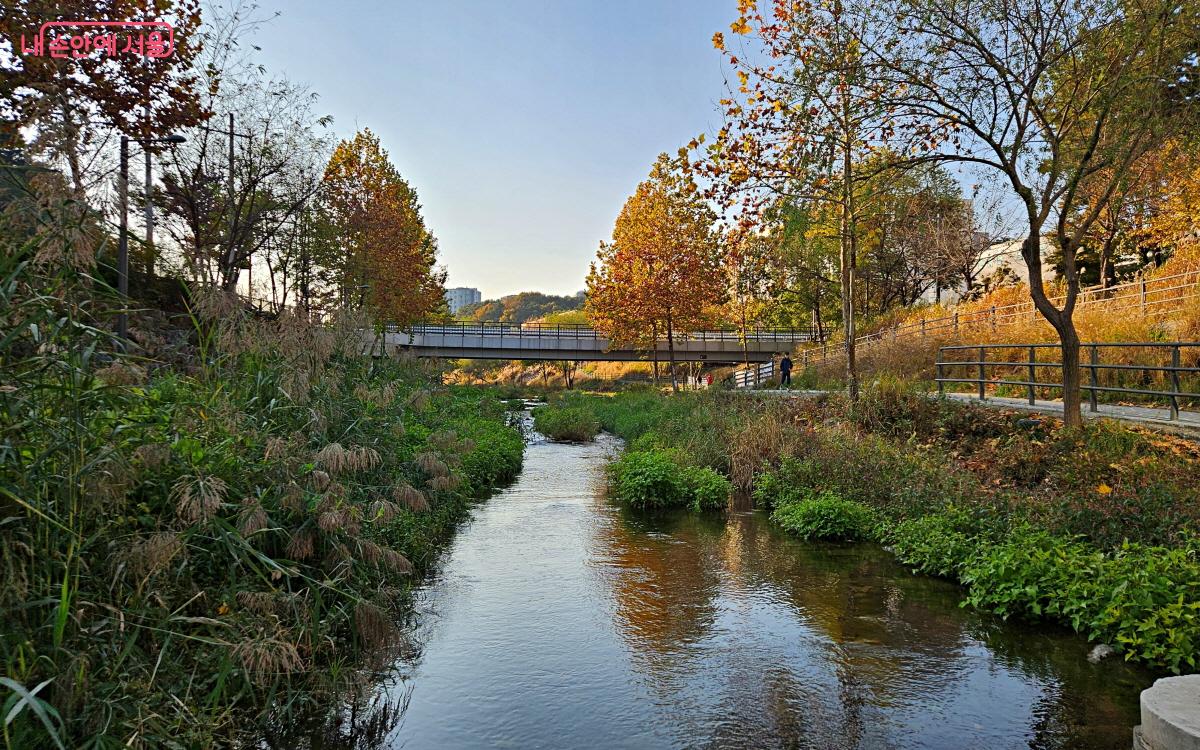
{"points": [[1189, 421], [1187, 424]]}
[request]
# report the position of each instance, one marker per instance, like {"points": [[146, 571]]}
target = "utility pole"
{"points": [[151, 256], [123, 242]]}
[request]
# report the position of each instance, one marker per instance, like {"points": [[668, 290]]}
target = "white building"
{"points": [[461, 296], [1000, 260]]}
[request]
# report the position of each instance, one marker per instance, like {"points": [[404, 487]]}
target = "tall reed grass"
{"points": [[200, 537]]}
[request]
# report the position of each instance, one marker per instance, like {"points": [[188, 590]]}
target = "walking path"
{"points": [[1189, 421], [1187, 424]]}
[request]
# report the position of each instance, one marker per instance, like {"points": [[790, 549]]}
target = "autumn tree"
{"points": [[1059, 100], [747, 263], [662, 271], [390, 256], [75, 106], [804, 116]]}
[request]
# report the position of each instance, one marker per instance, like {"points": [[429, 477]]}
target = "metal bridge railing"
{"points": [[1095, 371], [554, 330], [754, 376]]}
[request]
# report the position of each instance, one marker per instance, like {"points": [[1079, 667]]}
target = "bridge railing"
{"points": [[575, 331], [755, 376], [970, 364]]}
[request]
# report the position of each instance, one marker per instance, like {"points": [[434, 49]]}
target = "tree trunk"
{"points": [[671, 351], [745, 342], [1072, 380], [1061, 320], [818, 319], [847, 268], [1106, 258], [654, 350]]}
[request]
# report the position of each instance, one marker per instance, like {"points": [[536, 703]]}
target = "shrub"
{"points": [[787, 485], [1145, 601], [934, 545], [646, 479], [827, 516], [569, 423], [706, 489], [660, 479]]}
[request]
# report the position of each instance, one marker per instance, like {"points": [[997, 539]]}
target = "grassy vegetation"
{"points": [[1094, 528], [664, 479], [572, 424], [824, 515], [213, 531]]}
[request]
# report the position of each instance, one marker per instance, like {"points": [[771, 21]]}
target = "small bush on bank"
{"points": [[934, 545], [646, 479], [1145, 601], [826, 516], [659, 479], [572, 424], [706, 489]]}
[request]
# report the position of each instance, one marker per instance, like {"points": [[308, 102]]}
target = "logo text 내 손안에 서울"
{"points": [[78, 39]]}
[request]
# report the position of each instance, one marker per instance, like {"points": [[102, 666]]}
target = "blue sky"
{"points": [[523, 125]]}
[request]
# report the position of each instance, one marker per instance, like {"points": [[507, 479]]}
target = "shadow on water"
{"points": [[559, 620]]}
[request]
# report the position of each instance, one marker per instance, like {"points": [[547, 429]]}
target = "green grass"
{"points": [[571, 424]]}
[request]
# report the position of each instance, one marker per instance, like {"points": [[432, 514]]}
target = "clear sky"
{"points": [[523, 125]]}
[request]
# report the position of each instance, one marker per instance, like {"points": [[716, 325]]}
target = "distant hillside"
{"points": [[520, 308]]}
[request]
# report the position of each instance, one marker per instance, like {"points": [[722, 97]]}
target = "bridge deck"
{"points": [[581, 343]]}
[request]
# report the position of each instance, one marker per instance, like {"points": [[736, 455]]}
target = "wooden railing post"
{"points": [[982, 382], [1032, 375], [956, 323], [1095, 361]]}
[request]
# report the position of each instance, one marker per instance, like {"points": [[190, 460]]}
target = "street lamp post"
{"points": [[123, 244]]}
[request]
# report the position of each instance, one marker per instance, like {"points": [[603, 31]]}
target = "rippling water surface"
{"points": [[558, 620]]}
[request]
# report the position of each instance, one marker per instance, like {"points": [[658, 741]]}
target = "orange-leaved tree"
{"points": [[662, 270], [390, 256]]}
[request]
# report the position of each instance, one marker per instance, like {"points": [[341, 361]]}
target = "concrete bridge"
{"points": [[534, 341]]}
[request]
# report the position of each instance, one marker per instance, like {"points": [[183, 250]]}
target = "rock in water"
{"points": [[1101, 652]]}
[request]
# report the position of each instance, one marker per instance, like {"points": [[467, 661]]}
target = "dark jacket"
{"points": [[785, 364]]}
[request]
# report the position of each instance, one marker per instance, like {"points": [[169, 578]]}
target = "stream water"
{"points": [[558, 620]]}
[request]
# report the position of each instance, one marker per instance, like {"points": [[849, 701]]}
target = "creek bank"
{"points": [[559, 618], [1037, 523]]}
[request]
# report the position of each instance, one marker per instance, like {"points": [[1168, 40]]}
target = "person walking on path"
{"points": [[785, 372]]}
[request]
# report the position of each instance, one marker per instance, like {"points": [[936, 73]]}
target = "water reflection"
{"points": [[559, 620]]}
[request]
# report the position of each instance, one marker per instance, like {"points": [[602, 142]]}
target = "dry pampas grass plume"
{"points": [[198, 497]]}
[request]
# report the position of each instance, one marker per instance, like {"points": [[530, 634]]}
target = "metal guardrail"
{"points": [[1147, 295], [754, 376], [1032, 364], [552, 330]]}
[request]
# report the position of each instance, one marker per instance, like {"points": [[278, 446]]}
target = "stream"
{"points": [[558, 620]]}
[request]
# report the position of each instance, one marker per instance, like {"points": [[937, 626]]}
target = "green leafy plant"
{"points": [[934, 545], [661, 479], [568, 423], [705, 488], [825, 515]]}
